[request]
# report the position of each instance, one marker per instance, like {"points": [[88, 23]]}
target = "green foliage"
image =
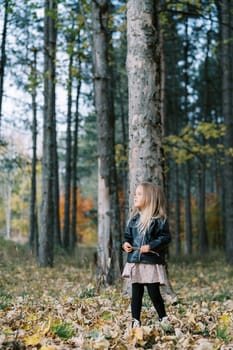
{"points": [[88, 293], [221, 332], [63, 330], [5, 300]]}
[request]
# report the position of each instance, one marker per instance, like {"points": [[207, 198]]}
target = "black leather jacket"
{"points": [[157, 235]]}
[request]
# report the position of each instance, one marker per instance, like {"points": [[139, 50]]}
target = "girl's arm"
{"points": [[127, 240], [163, 238]]}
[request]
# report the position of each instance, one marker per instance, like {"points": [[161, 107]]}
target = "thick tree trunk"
{"points": [[143, 65], [146, 99], [227, 98], [33, 233], [108, 222], [46, 238], [3, 57]]}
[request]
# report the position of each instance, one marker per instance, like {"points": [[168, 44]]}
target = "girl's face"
{"points": [[139, 198]]}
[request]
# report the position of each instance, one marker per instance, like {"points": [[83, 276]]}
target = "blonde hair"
{"points": [[154, 205]]}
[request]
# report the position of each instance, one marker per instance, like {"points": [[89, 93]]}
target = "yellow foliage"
{"points": [[225, 319], [34, 339]]}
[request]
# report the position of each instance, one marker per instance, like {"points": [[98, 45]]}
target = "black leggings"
{"points": [[154, 293]]}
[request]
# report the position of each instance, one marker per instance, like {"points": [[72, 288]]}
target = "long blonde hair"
{"points": [[154, 205]]}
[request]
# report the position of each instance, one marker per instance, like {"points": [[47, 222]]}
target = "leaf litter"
{"points": [[61, 308]]}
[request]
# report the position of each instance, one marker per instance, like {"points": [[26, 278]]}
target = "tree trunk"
{"points": [[75, 156], [203, 238], [66, 228], [177, 211], [187, 210], [46, 238], [3, 57], [7, 201], [56, 195], [108, 221], [33, 233], [187, 166], [146, 99], [227, 98], [143, 65]]}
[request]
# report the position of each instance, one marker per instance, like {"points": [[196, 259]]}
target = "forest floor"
{"points": [[60, 308]]}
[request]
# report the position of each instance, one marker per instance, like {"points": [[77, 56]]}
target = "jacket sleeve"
{"points": [[127, 235], [162, 239]]}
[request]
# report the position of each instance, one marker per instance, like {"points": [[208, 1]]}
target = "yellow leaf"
{"points": [[34, 339], [225, 319], [137, 332], [45, 327], [101, 344]]}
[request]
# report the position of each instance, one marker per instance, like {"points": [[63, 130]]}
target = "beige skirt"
{"points": [[145, 273]]}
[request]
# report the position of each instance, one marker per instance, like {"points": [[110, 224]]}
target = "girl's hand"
{"points": [[145, 248], [127, 247]]}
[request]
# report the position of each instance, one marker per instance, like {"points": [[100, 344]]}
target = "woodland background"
{"points": [[96, 96], [196, 84]]}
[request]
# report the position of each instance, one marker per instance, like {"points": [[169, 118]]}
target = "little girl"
{"points": [[145, 240]]}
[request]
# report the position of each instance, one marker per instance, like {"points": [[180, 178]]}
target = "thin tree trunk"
{"points": [[56, 195], [188, 211], [75, 157], [3, 57], [66, 228], [203, 238], [46, 238], [187, 178], [33, 235], [177, 211], [7, 201]]}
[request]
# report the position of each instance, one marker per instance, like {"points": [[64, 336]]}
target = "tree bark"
{"points": [[143, 65], [227, 98], [66, 228], [3, 57], [33, 230], [188, 248], [46, 238], [74, 186], [75, 158], [203, 237], [187, 166], [177, 210], [108, 220]]}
